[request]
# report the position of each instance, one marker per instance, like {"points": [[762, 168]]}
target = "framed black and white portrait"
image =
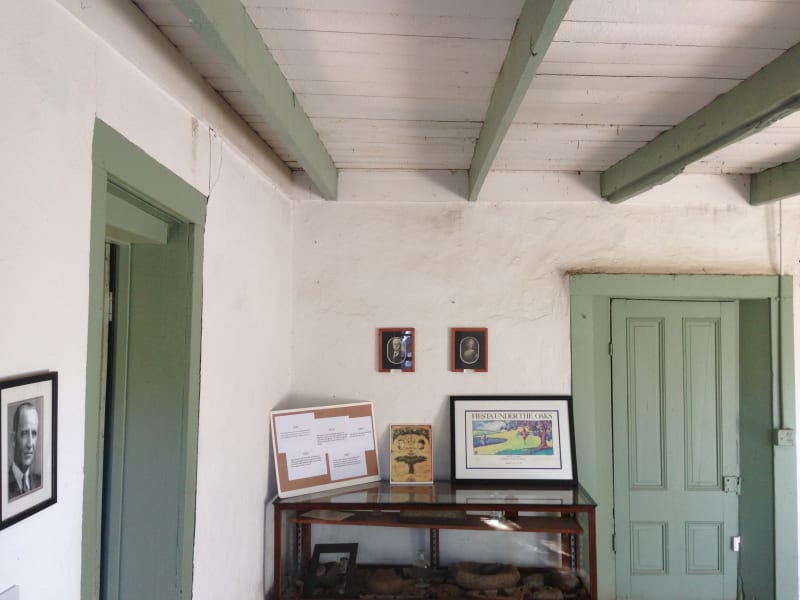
{"points": [[331, 571], [396, 349], [28, 424], [469, 349]]}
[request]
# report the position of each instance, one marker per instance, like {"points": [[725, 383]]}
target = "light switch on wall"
{"points": [[11, 593], [783, 437]]}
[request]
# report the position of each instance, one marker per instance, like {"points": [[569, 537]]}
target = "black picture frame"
{"points": [[333, 582], [469, 349], [396, 349], [509, 438], [28, 435]]}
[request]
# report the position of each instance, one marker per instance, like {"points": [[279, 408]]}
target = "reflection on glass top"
{"points": [[447, 492]]}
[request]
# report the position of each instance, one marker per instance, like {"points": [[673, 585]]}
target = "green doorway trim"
{"points": [[121, 167], [590, 322]]}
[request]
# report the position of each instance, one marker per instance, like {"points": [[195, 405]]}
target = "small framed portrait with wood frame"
{"points": [[28, 424], [469, 349], [411, 453], [396, 349]]}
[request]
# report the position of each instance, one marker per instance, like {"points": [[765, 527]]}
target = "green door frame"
{"points": [[120, 165], [590, 322]]}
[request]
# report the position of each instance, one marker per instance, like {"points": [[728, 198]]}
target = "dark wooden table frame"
{"points": [[382, 509]]}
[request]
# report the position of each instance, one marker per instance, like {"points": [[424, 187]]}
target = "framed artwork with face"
{"points": [[28, 427], [396, 349], [411, 453], [469, 349]]}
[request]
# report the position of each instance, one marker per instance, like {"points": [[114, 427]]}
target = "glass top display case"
{"points": [[444, 540]]}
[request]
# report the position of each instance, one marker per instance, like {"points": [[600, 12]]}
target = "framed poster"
{"points": [[469, 349], [396, 349], [28, 428], [410, 454], [506, 438], [324, 447]]}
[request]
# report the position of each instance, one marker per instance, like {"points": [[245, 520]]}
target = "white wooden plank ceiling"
{"points": [[405, 84]]}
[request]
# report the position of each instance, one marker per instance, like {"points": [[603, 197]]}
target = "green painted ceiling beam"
{"points": [[775, 183], [768, 95], [233, 38], [536, 26]]}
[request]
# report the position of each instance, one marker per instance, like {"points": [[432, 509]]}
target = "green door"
{"points": [[676, 467]]}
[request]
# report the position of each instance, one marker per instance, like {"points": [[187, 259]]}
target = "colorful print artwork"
{"points": [[509, 437]]}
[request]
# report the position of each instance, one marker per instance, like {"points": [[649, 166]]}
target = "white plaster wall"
{"points": [[405, 250], [410, 252], [45, 150], [63, 64], [246, 370]]}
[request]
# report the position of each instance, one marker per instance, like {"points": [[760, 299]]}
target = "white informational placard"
{"points": [[324, 447]]}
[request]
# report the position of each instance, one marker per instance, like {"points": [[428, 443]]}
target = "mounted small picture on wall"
{"points": [[27, 446], [396, 349], [469, 349]]}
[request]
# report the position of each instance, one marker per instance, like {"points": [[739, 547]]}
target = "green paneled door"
{"points": [[676, 467]]}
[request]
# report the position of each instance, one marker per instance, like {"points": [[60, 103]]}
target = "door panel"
{"points": [[146, 450], [675, 407]]}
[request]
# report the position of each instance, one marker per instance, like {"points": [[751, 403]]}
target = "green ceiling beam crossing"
{"points": [[233, 38], [536, 26], [775, 183], [768, 95]]}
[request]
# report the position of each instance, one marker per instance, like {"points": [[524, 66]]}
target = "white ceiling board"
{"points": [[391, 46], [465, 8], [682, 71], [584, 84], [411, 109], [748, 59], [523, 132], [395, 89], [726, 13], [410, 75], [749, 35], [585, 113], [485, 27], [463, 63], [374, 129]]}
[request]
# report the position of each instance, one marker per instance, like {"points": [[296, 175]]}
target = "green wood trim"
{"points": [[127, 164], [536, 26], [685, 287], [785, 457], [192, 416], [590, 323], [116, 413], [775, 183], [127, 224], [229, 33], [590, 310], [768, 95], [117, 161], [93, 424], [757, 500]]}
